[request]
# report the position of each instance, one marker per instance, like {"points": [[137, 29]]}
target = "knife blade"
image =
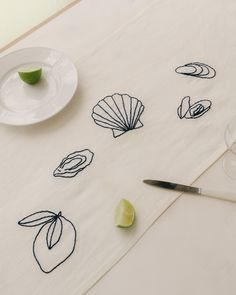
{"points": [[226, 196]]}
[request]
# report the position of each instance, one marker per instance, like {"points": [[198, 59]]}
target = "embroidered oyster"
{"points": [[118, 112], [75, 162]]}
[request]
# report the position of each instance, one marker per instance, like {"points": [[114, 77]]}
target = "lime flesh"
{"points": [[30, 76], [124, 214]]}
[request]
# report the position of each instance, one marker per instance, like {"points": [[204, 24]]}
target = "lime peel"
{"points": [[30, 76], [124, 214]]}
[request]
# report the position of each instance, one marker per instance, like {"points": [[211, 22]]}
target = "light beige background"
{"points": [[191, 248], [18, 17]]}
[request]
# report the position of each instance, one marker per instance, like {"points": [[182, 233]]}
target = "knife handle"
{"points": [[219, 195]]}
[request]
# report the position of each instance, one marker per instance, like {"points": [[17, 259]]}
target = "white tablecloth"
{"points": [[190, 87]]}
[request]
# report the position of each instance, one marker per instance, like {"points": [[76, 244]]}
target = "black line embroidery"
{"points": [[55, 241], [74, 163], [197, 69], [118, 112], [194, 111]]}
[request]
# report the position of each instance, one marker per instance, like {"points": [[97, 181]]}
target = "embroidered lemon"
{"points": [[30, 76], [124, 214]]}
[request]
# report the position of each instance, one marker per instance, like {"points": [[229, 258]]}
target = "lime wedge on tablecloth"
{"points": [[124, 214], [30, 76]]}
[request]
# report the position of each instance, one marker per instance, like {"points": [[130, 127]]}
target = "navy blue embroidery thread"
{"points": [[52, 238], [74, 163], [194, 111], [118, 112], [197, 69]]}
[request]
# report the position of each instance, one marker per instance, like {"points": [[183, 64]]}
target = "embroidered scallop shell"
{"points": [[75, 162], [118, 112]]}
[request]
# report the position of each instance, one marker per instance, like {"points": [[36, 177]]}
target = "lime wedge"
{"points": [[124, 214], [30, 76]]}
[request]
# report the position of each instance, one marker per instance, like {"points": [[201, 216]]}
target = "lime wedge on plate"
{"points": [[30, 76], [124, 214]]}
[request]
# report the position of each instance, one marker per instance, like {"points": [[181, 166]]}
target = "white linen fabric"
{"points": [[139, 59]]}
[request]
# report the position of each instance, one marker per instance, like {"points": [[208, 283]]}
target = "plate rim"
{"points": [[75, 86]]}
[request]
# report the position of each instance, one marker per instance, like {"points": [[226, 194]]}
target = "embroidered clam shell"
{"points": [[75, 162], [118, 112]]}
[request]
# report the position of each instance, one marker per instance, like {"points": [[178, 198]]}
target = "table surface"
{"points": [[27, 14], [190, 248]]}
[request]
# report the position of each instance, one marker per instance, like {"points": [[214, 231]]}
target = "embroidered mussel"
{"points": [[196, 69], [194, 111]]}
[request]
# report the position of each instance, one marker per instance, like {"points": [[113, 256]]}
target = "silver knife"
{"points": [[226, 196]]}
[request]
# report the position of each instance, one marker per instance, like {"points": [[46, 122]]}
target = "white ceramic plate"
{"points": [[23, 104]]}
